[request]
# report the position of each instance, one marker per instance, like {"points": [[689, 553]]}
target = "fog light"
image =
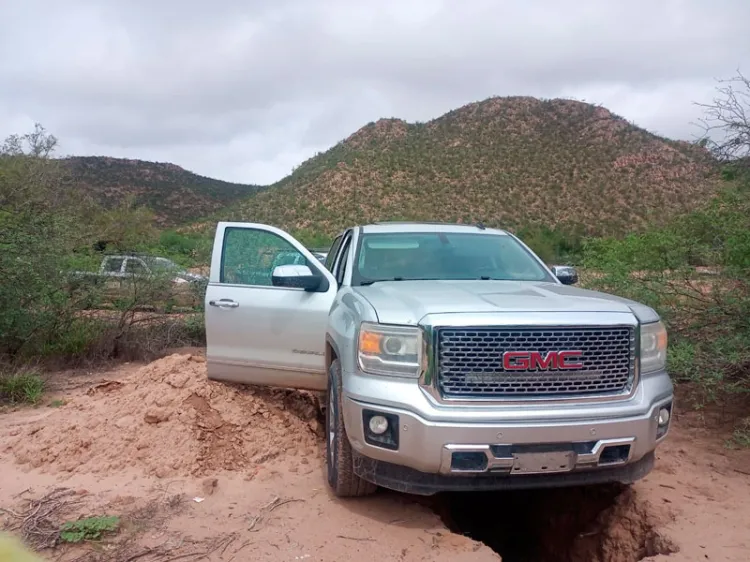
{"points": [[378, 425], [380, 429], [663, 416], [662, 420]]}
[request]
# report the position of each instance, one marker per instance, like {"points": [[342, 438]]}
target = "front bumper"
{"points": [[511, 445]]}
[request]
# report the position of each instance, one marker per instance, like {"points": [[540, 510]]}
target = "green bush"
{"points": [[187, 249], [695, 271], [555, 246], [48, 230], [21, 387]]}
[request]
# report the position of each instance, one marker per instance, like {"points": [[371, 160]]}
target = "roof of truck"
{"points": [[407, 226]]}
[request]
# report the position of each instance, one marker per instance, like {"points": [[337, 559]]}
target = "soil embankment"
{"points": [[208, 471]]}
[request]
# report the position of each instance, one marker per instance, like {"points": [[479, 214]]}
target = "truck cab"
{"points": [[451, 356]]}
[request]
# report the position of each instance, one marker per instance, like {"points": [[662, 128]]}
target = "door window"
{"points": [[343, 260], [113, 265], [250, 256], [332, 253], [135, 267]]}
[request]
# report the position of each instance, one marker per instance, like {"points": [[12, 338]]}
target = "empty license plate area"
{"points": [[542, 459]]}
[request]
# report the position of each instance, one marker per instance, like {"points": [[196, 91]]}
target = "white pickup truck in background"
{"points": [[119, 276]]}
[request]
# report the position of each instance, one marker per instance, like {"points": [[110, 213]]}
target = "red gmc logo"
{"points": [[533, 360]]}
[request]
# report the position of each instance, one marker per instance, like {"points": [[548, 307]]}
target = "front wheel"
{"points": [[340, 466]]}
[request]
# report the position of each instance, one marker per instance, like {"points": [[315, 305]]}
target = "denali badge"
{"points": [[533, 360]]}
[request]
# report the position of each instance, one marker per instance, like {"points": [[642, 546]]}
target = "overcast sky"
{"points": [[243, 90]]}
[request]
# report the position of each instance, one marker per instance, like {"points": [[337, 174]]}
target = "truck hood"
{"points": [[407, 302]]}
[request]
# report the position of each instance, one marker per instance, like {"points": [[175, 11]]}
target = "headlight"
{"points": [[653, 347], [390, 350]]}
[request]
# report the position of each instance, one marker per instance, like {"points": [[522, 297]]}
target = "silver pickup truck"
{"points": [[451, 356]]}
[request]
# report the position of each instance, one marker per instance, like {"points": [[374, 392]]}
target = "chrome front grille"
{"points": [[470, 361]]}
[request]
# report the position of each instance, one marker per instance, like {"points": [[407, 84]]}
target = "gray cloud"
{"points": [[243, 90]]}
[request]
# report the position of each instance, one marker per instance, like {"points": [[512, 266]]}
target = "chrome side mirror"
{"points": [[295, 276], [566, 274]]}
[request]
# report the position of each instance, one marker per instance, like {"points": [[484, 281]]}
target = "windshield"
{"points": [[163, 264], [445, 256]]}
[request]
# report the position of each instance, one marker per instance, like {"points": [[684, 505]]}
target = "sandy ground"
{"points": [[207, 471]]}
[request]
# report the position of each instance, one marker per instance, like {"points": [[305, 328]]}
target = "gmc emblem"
{"points": [[533, 360]]}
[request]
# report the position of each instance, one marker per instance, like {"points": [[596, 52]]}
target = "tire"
{"points": [[340, 466]]}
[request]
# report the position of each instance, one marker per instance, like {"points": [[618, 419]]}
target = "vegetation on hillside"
{"points": [[174, 195], [521, 163]]}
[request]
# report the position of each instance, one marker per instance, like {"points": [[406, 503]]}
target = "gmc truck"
{"points": [[451, 356]]}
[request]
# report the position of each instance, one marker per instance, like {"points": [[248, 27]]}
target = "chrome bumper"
{"points": [[521, 439], [527, 459]]}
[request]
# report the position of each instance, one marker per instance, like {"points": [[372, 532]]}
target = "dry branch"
{"points": [[39, 521], [268, 508]]}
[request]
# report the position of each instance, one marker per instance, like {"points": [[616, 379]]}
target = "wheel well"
{"points": [[330, 355]]}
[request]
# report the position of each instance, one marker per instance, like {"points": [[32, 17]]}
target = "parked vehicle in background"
{"points": [[121, 275], [452, 357], [320, 254]]}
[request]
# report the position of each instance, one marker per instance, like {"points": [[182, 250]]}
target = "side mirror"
{"points": [[295, 276], [566, 274]]}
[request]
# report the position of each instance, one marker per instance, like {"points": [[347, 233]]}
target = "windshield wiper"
{"points": [[371, 281]]}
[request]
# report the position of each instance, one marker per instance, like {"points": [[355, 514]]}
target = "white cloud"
{"points": [[243, 91]]}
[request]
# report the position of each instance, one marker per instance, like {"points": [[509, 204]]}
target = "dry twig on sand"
{"points": [[268, 508], [39, 522], [166, 552]]}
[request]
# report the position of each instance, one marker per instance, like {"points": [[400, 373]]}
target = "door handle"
{"points": [[224, 303]]}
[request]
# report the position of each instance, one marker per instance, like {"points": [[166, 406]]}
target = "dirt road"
{"points": [[205, 471]]}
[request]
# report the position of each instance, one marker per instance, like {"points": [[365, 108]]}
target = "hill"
{"points": [[175, 195], [513, 162]]}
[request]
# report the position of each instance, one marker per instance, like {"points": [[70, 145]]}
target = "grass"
{"points": [[741, 436], [22, 387]]}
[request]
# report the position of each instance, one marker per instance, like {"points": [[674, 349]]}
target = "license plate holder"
{"points": [[543, 462]]}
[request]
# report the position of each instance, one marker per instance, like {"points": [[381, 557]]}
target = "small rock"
{"points": [[163, 400], [197, 358], [209, 485], [178, 380], [156, 415]]}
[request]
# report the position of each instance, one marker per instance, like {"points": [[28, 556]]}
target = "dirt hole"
{"points": [[588, 524]]}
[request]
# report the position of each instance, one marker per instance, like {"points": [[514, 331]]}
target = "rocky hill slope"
{"points": [[175, 195], [514, 162]]}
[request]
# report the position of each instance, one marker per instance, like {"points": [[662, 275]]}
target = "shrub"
{"points": [[706, 306], [48, 230], [21, 387]]}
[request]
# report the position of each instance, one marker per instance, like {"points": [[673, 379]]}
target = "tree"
{"points": [[45, 223], [36, 230], [707, 308], [726, 126]]}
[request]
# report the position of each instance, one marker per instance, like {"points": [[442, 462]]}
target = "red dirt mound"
{"points": [[168, 419]]}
